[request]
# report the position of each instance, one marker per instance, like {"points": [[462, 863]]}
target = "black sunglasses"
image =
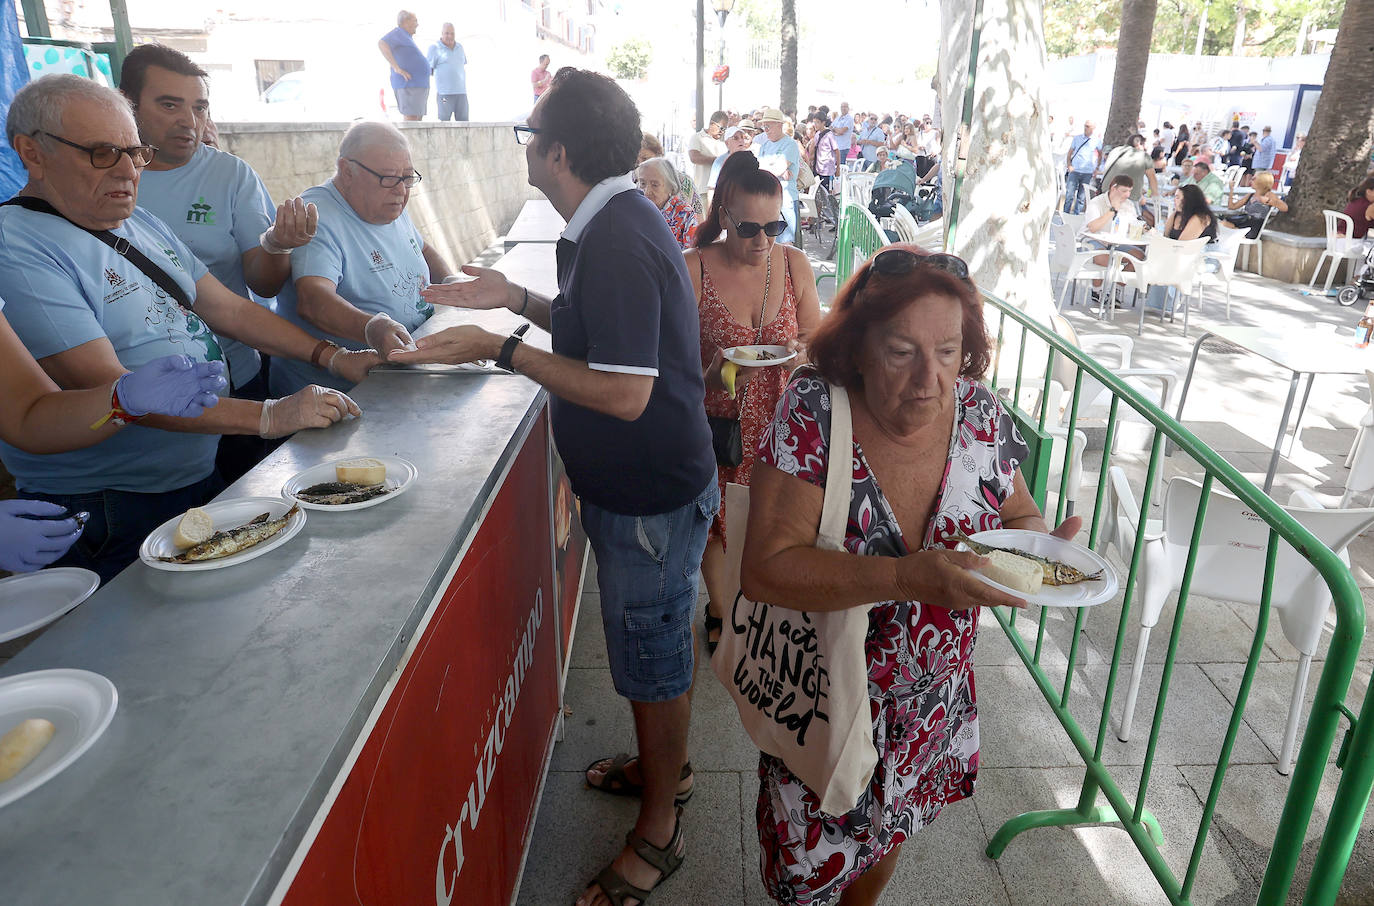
{"points": [[748, 229], [103, 157], [900, 262]]}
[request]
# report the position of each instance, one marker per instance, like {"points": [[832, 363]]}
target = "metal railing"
{"points": [[1356, 759]]}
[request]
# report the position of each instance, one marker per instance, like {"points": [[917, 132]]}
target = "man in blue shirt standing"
{"points": [[780, 155], [1085, 156], [409, 68], [627, 402], [447, 61], [1266, 152]]}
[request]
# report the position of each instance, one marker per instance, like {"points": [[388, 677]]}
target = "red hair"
{"points": [[835, 346]]}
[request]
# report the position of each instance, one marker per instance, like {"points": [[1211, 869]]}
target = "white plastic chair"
{"points": [[1224, 254], [904, 224], [1246, 243], [1339, 246], [1230, 567], [1168, 262], [1073, 221], [1361, 458], [1074, 264]]}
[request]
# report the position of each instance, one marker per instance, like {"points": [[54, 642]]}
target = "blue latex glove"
{"points": [[172, 385], [26, 543]]}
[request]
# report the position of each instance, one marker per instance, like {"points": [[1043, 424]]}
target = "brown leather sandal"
{"points": [[667, 860], [617, 782]]}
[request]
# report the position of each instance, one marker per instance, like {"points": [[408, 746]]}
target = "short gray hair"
{"points": [[665, 170], [402, 16], [40, 105], [371, 134]]}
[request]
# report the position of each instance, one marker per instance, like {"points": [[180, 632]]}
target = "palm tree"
{"points": [[788, 93], [1132, 59], [1337, 155]]}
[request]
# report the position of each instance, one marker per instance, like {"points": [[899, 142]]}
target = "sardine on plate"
{"points": [[232, 541], [337, 493], [1056, 573]]}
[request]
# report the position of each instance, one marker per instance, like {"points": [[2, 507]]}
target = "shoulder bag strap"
{"points": [[118, 243], [839, 472], [1077, 148]]}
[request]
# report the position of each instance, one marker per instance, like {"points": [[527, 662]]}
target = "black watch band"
{"points": [[503, 361]]}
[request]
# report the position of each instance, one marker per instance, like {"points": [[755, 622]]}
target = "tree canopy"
{"points": [[1271, 26]]}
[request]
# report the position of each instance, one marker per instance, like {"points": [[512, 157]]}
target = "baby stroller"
{"points": [[893, 187], [1361, 287]]}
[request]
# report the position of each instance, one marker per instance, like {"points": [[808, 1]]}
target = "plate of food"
{"points": [[759, 356], [223, 533], [1043, 569], [351, 484], [48, 719], [33, 600]]}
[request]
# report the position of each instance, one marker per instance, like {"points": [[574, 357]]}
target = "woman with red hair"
{"points": [[934, 454]]}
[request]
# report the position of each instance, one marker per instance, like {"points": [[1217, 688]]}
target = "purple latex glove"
{"points": [[28, 543], [172, 385]]}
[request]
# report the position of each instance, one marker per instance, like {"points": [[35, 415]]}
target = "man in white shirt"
{"points": [[705, 146], [843, 130]]}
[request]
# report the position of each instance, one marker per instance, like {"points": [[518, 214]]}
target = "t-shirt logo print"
{"points": [[201, 212], [112, 278], [172, 257], [377, 258]]}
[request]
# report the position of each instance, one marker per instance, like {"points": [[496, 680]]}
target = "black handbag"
{"points": [[726, 440]]}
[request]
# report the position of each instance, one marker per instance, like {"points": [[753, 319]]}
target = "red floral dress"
{"points": [[682, 220], [920, 674], [719, 329]]}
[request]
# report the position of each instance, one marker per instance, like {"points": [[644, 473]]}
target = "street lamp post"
{"points": [[722, 8]]}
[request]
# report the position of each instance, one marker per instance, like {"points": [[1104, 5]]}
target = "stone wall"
{"points": [[474, 174]]}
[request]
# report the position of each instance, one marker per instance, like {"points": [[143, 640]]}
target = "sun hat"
{"points": [[771, 115]]}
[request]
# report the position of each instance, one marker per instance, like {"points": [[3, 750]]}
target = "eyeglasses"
{"points": [[748, 229], [523, 134], [103, 157], [390, 181], [900, 262]]}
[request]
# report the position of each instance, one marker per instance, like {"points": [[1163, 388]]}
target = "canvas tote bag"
{"points": [[800, 679]]}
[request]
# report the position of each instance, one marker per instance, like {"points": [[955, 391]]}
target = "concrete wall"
{"points": [[474, 174]]}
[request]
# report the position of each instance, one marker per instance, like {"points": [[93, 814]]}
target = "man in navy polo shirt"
{"points": [[629, 419]]}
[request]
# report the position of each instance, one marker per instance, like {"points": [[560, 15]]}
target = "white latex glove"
{"points": [[309, 407], [384, 334]]}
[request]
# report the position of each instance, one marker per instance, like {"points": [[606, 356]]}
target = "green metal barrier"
{"points": [[1357, 754], [856, 242]]}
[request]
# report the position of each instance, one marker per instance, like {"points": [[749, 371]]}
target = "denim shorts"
{"points": [[647, 569]]}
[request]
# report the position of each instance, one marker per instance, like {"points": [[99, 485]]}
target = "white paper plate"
{"points": [[227, 514], [400, 475], [782, 353], [1084, 594], [79, 703], [33, 600]]}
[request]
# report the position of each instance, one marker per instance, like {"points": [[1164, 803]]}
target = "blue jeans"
{"points": [[120, 520], [1075, 191], [789, 214], [646, 570]]}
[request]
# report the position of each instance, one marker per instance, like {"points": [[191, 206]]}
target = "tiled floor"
{"points": [[1027, 760]]}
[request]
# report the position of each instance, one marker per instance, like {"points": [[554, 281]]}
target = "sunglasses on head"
{"points": [[900, 262], [748, 229]]}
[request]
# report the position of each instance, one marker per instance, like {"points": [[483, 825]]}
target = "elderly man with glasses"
{"points": [[94, 286], [358, 282]]}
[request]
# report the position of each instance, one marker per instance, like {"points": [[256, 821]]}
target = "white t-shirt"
{"points": [[703, 143], [1099, 205]]}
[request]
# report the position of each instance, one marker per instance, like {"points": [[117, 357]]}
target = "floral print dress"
{"points": [[920, 674]]}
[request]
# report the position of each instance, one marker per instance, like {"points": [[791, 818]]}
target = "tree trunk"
{"points": [[1008, 191], [788, 89], [1238, 42], [1336, 156], [1132, 59]]}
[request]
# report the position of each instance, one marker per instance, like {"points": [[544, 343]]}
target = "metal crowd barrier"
{"points": [[1356, 759]]}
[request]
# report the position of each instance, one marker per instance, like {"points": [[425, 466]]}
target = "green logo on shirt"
{"points": [[201, 212]]}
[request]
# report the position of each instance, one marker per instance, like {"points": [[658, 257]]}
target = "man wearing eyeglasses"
{"points": [[625, 378], [358, 282], [217, 205], [94, 286]]}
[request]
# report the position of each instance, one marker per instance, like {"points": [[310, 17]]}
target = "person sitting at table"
{"points": [[357, 284], [1112, 206], [1253, 210], [1192, 218], [657, 179], [88, 311], [1360, 207], [1210, 184]]}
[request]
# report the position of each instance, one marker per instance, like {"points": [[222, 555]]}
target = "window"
{"points": [[269, 71]]}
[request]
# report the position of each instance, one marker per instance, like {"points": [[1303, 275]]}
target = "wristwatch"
{"points": [[503, 361]]}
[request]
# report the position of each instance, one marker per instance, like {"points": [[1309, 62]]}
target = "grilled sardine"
{"points": [[336, 493], [1056, 573], [232, 541]]}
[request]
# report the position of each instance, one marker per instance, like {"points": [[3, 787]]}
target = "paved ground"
{"points": [[1027, 761]]}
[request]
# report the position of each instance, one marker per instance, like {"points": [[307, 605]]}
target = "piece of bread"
{"points": [[361, 471], [1017, 573], [22, 744], [195, 527]]}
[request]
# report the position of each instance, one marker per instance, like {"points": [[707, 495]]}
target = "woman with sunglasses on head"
{"points": [[934, 455], [750, 290]]}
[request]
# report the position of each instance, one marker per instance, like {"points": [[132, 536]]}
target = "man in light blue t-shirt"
{"points": [[358, 282], [843, 130], [88, 313], [871, 138], [447, 61], [780, 155]]}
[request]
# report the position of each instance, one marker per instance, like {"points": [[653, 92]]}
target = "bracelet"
{"points": [[269, 245], [503, 361], [117, 414], [320, 347], [525, 305]]}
